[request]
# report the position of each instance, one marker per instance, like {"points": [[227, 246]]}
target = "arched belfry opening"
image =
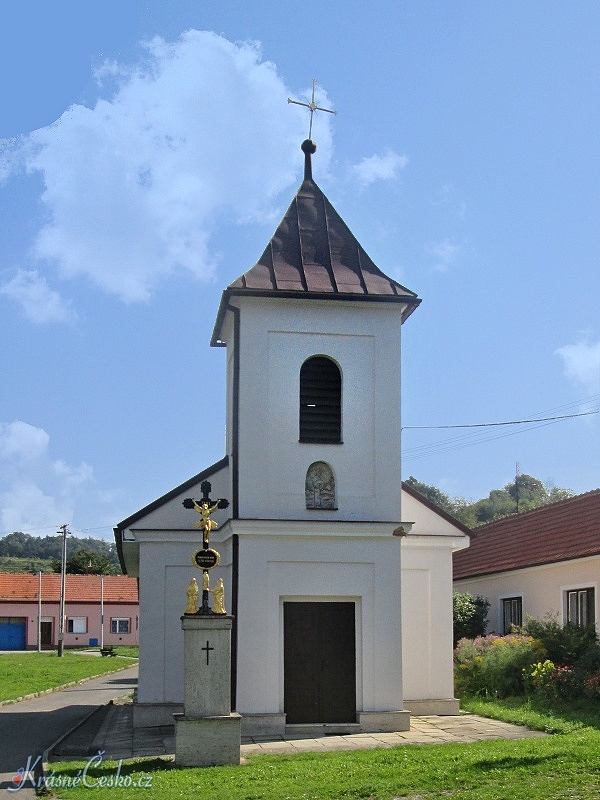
{"points": [[320, 401], [319, 487]]}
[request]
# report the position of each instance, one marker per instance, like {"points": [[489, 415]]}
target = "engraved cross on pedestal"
{"points": [[208, 648]]}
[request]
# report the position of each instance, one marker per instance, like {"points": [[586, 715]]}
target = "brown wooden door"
{"points": [[46, 633], [319, 662]]}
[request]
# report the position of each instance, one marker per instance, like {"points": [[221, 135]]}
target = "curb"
{"points": [[45, 763]]}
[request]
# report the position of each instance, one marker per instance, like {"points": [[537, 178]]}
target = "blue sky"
{"points": [[147, 155]]}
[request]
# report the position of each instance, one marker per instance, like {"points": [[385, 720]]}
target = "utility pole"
{"points": [[61, 621], [39, 619], [517, 485], [101, 611]]}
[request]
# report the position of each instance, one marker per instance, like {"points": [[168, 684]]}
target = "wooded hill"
{"points": [[523, 494], [21, 552]]}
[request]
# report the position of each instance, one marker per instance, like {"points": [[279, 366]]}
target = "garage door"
{"points": [[12, 633]]}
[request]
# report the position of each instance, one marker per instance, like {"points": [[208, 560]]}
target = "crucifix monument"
{"points": [[207, 558], [207, 733]]}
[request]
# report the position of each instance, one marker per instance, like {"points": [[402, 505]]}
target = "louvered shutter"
{"points": [[320, 401]]}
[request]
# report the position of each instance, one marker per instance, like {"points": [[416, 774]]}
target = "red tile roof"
{"points": [[78, 588], [557, 532]]}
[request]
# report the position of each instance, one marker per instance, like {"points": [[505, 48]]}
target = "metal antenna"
{"points": [[312, 107]]}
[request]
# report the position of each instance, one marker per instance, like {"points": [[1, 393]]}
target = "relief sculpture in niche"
{"points": [[320, 486]]}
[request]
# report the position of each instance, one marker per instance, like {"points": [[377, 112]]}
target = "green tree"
{"points": [[432, 493], [498, 504], [23, 545], [84, 562], [464, 511], [15, 544], [531, 493], [528, 492]]}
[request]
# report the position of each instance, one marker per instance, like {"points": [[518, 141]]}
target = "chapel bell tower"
{"points": [[312, 332]]}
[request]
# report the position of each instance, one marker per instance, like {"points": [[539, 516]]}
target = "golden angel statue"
{"points": [[192, 594], [219, 598]]}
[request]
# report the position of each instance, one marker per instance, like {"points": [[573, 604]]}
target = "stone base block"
{"points": [[150, 715], [263, 725], [383, 721], [448, 707], [316, 731], [207, 741]]}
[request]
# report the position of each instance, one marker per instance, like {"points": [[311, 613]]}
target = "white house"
{"points": [[538, 563], [342, 602]]}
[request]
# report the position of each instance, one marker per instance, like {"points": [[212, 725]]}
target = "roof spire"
{"points": [[308, 147]]}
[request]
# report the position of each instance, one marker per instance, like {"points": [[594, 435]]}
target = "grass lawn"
{"points": [[564, 765], [29, 673]]}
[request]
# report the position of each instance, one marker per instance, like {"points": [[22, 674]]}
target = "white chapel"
{"points": [[338, 576]]}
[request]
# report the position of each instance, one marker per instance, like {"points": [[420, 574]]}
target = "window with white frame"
{"points": [[76, 624], [580, 606], [512, 613], [120, 625]]}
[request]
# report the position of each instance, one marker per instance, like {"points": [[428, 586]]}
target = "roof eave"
{"points": [[410, 301], [126, 523], [436, 509]]}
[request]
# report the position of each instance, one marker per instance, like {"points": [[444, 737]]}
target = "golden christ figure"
{"points": [[205, 508]]}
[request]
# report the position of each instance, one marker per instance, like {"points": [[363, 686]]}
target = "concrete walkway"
{"points": [[112, 730]]}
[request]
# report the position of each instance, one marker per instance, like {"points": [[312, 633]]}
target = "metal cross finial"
{"points": [[312, 107]]}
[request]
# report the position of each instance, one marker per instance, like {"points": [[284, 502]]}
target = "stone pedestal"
{"points": [[207, 733]]}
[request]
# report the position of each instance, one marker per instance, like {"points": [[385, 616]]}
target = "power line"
{"points": [[479, 433], [459, 442], [497, 424]]}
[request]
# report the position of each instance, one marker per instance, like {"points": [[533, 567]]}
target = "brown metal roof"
{"points": [[78, 588], [313, 254], [557, 532]]}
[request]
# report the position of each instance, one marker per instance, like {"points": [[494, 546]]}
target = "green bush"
{"points": [[469, 616], [568, 645], [552, 682], [495, 666], [591, 686]]}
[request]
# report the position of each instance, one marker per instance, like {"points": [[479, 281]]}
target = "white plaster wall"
{"points": [[165, 571], [303, 566], [276, 338], [427, 618], [427, 522], [427, 643], [542, 589]]}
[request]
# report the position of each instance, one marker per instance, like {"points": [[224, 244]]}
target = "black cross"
{"points": [[205, 488], [207, 648]]}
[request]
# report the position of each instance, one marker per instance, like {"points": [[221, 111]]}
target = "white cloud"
{"points": [[22, 442], [444, 253], [379, 167], [581, 363], [198, 130], [39, 493], [39, 303]]}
